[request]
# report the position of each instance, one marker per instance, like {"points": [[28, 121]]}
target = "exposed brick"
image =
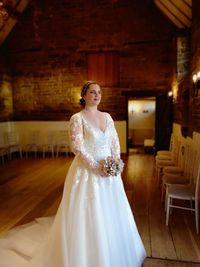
{"points": [[187, 107], [48, 54]]}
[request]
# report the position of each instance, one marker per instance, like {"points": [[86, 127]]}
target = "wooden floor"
{"points": [[151, 262], [31, 188]]}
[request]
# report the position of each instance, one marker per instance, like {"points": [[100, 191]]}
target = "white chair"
{"points": [[33, 144], [183, 157], [164, 161], [180, 175], [12, 141], [50, 143], [186, 193], [62, 142], [171, 145], [168, 154]]}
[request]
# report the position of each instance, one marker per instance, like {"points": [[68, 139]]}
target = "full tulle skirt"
{"points": [[93, 227]]}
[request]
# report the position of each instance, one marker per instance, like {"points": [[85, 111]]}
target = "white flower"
{"points": [[113, 166]]}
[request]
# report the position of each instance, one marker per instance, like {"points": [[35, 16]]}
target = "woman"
{"points": [[94, 226]]}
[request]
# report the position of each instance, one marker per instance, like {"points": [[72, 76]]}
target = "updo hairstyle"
{"points": [[84, 92]]}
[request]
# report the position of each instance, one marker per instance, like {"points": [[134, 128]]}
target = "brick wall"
{"points": [[48, 53], [194, 123], [186, 106], [182, 78], [6, 96], [181, 103], [183, 54]]}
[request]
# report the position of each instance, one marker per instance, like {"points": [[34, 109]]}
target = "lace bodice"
{"points": [[92, 144]]}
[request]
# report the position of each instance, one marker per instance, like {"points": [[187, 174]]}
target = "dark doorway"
{"points": [[163, 115], [141, 124]]}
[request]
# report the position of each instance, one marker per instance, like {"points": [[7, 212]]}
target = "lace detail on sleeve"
{"points": [[77, 142], [115, 148]]}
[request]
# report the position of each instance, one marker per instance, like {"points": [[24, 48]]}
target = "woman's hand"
{"points": [[101, 170]]}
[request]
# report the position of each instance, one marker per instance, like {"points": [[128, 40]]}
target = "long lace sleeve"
{"points": [[115, 147], [77, 142]]}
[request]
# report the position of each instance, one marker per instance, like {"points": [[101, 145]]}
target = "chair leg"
{"points": [[163, 191], [191, 204], [168, 207], [43, 154], [9, 154], [156, 174], [2, 158], [166, 196], [20, 153], [197, 215], [35, 152], [27, 151], [170, 203], [160, 175]]}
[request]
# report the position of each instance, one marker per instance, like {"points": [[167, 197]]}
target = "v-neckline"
{"points": [[93, 125]]}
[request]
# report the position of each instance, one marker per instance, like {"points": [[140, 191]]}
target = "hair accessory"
{"points": [[86, 86]]}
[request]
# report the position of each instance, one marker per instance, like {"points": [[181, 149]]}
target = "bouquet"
{"points": [[113, 166]]}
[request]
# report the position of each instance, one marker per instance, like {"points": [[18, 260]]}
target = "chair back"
{"points": [[197, 183], [63, 137], [11, 138], [189, 163], [175, 150], [171, 142], [183, 153], [196, 167], [34, 137], [51, 137]]}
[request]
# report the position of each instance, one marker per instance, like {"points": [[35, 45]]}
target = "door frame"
{"points": [[160, 141]]}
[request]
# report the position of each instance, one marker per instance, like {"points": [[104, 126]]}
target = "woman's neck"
{"points": [[91, 109]]}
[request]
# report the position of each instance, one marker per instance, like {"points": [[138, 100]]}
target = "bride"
{"points": [[94, 225]]}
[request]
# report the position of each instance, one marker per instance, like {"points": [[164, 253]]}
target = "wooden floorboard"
{"points": [[32, 188], [152, 262]]}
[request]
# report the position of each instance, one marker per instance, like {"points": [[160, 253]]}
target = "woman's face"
{"points": [[93, 95]]}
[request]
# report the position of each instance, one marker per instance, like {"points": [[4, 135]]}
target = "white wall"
{"points": [[24, 127], [44, 126], [121, 130], [141, 117], [4, 127], [196, 138]]}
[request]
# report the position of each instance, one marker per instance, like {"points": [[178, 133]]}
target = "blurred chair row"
{"points": [[54, 142], [177, 171]]}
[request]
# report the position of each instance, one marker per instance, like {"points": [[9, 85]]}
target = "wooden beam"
{"points": [[169, 14], [12, 19]]}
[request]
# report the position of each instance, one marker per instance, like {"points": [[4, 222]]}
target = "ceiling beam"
{"points": [[14, 13], [178, 11]]}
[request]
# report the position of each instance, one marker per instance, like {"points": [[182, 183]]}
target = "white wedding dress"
{"points": [[94, 225]]}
